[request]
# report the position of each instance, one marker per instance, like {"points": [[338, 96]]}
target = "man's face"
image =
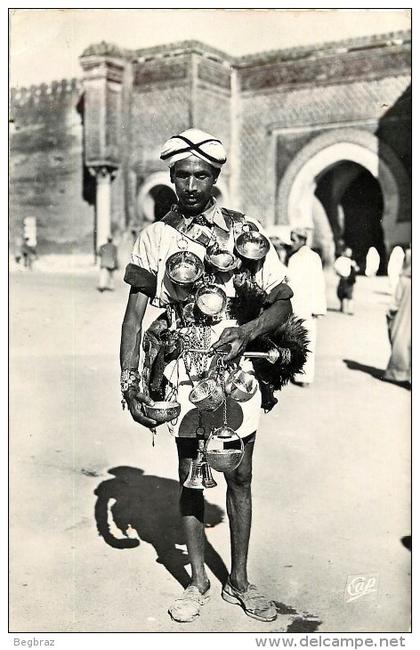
{"points": [[193, 179], [297, 242]]}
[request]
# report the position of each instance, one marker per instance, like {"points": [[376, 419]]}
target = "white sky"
{"points": [[45, 43]]}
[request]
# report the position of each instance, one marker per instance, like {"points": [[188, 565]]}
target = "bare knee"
{"points": [[240, 479], [191, 503]]}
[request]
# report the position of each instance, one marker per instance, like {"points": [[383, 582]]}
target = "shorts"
{"points": [[345, 290]]}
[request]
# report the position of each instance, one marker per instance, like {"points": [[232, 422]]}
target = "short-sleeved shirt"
{"points": [[153, 247], [159, 240]]}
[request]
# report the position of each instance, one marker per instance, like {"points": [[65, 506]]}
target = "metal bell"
{"points": [[208, 480], [199, 476], [194, 479]]}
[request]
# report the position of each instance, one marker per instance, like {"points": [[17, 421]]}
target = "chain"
{"points": [[200, 430], [220, 370], [200, 360], [224, 401]]}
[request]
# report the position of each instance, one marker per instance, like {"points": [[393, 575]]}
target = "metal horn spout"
{"points": [[208, 480], [194, 479], [199, 476]]}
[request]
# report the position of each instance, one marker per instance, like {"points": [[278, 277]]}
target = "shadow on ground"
{"points": [[148, 505], [377, 373], [302, 621]]}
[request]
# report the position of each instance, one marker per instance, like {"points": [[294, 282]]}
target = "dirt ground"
{"points": [[331, 488]]}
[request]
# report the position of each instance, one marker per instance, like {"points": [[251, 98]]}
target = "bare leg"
{"points": [[350, 307], [102, 280], [239, 508], [192, 514]]}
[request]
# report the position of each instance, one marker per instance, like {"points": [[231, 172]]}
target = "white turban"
{"points": [[194, 142]]}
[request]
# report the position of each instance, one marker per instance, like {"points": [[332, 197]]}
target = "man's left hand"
{"points": [[234, 341]]}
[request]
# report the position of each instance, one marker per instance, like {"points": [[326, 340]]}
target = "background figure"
{"points": [[18, 249], [395, 265], [372, 262], [399, 328], [108, 256], [281, 250], [309, 301], [346, 268], [28, 254], [280, 238]]}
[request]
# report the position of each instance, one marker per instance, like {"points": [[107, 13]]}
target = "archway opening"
{"points": [[163, 197], [353, 202]]}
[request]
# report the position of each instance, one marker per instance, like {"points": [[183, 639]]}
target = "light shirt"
{"points": [[151, 250], [159, 240]]}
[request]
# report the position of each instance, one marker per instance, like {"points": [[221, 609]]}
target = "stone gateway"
{"points": [[315, 137]]}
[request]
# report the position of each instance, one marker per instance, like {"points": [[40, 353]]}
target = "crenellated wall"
{"points": [[273, 111], [46, 166]]}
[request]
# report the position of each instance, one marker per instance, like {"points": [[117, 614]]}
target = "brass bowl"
{"points": [[222, 260], [163, 411], [225, 460], [252, 245], [207, 395], [241, 385], [184, 268], [211, 299], [219, 458]]}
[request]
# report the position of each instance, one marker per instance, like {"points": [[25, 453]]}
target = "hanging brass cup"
{"points": [[211, 300], [207, 395], [184, 268], [163, 411], [252, 245], [222, 261], [241, 385]]}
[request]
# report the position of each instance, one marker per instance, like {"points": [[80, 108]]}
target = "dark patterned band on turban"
{"points": [[198, 143]]}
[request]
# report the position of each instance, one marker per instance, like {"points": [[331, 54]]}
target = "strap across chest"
{"points": [[202, 234]]}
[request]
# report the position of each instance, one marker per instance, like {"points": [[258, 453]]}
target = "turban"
{"points": [[194, 142], [300, 232]]}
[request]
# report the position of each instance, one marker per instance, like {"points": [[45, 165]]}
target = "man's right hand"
{"points": [[135, 403]]}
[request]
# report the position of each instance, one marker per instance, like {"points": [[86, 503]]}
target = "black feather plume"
{"points": [[292, 335]]}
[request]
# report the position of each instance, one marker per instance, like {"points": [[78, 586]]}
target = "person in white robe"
{"points": [[395, 264], [373, 261], [307, 281]]}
